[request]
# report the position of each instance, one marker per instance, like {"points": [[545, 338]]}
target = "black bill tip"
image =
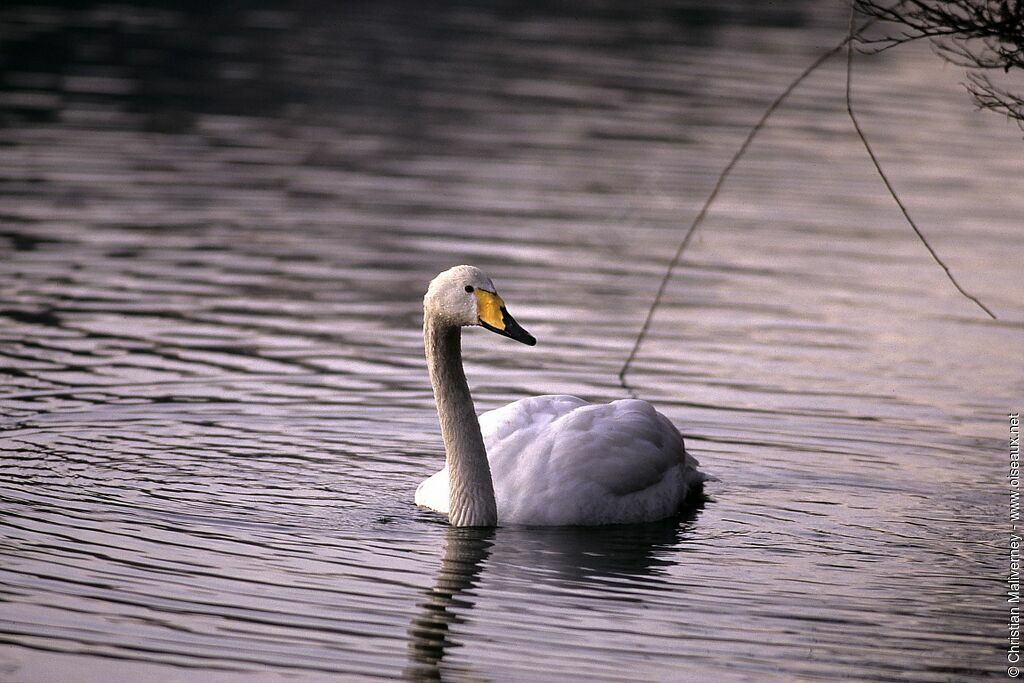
{"points": [[513, 330]]}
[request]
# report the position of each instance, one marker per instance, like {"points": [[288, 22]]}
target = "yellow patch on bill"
{"points": [[488, 309]]}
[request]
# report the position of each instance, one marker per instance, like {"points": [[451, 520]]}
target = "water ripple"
{"points": [[216, 230]]}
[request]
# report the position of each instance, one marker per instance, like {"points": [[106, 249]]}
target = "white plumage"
{"points": [[547, 460], [558, 460]]}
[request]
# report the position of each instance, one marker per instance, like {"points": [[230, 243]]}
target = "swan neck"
{"points": [[470, 489]]}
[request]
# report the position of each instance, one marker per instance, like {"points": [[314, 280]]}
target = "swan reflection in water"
{"points": [[466, 550], [535, 557]]}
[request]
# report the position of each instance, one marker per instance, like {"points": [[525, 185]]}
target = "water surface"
{"points": [[217, 226]]}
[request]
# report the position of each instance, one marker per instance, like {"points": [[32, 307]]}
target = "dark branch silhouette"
{"points": [[824, 57], [979, 85], [982, 37], [885, 178]]}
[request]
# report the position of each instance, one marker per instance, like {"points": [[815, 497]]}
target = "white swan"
{"points": [[546, 460]]}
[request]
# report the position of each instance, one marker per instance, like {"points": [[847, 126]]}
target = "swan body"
{"points": [[545, 460], [558, 460]]}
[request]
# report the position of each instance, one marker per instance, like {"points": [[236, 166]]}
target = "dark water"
{"points": [[216, 225]]}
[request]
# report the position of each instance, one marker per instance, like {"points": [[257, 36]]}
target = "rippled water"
{"points": [[217, 226]]}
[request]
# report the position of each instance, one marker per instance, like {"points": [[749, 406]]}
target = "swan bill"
{"points": [[493, 316]]}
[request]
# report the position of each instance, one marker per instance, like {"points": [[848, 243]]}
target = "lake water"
{"points": [[216, 227]]}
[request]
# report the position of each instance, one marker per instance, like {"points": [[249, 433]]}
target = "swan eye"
{"points": [[469, 289]]}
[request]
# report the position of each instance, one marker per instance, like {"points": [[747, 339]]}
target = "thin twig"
{"points": [[977, 35], [885, 179], [714, 193]]}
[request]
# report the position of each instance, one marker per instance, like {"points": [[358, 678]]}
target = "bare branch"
{"points": [[642, 335], [888, 183], [977, 35]]}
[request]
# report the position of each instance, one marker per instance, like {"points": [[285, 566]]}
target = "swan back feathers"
{"points": [[561, 460]]}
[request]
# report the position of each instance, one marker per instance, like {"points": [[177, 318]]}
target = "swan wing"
{"points": [[560, 460]]}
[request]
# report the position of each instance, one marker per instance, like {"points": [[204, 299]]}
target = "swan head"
{"points": [[463, 296]]}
